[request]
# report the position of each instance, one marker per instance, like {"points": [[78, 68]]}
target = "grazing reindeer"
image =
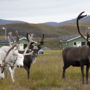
{"points": [[10, 57], [77, 56], [34, 47]]}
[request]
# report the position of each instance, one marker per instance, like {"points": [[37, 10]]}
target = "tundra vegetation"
{"points": [[46, 74]]}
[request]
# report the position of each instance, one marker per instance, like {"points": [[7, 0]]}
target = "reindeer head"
{"points": [[34, 46]]}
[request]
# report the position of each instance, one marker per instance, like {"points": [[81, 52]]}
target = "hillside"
{"points": [[37, 29], [52, 33], [61, 31]]}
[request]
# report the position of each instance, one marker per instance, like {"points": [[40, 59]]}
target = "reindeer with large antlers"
{"points": [[33, 48], [77, 56], [10, 57]]}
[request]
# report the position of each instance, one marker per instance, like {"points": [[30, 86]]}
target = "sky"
{"points": [[40, 11]]}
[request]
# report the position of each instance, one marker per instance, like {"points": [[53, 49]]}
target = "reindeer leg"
{"points": [[28, 73], [27, 68], [82, 71], [11, 70], [87, 69], [6, 74], [64, 68], [63, 74]]}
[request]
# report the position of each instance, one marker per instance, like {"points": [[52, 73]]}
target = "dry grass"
{"points": [[2, 37], [46, 74]]}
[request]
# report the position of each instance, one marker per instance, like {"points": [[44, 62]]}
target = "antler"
{"points": [[29, 38], [17, 37], [80, 16], [10, 37], [42, 40]]}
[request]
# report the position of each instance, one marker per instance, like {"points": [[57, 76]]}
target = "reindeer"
{"points": [[34, 47], [10, 57], [77, 56]]}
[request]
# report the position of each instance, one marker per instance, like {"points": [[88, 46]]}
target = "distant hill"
{"points": [[3, 22], [52, 23], [51, 30], [86, 19], [61, 31]]}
